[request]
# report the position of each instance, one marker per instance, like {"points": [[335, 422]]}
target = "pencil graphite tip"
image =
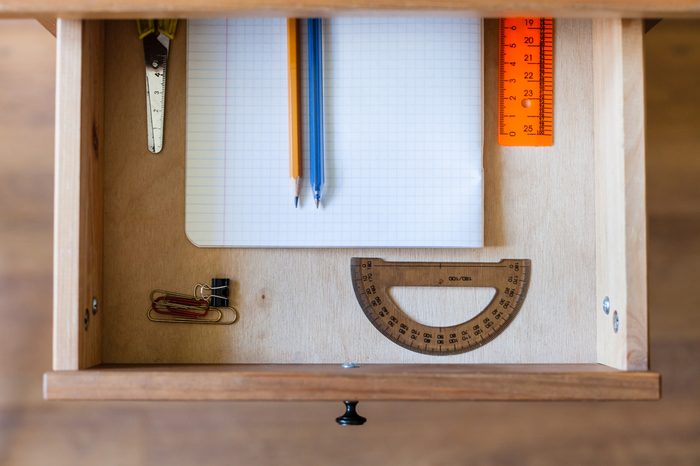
{"points": [[317, 202], [296, 189]]}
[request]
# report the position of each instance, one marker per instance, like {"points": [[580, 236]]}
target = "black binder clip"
{"points": [[217, 294]]}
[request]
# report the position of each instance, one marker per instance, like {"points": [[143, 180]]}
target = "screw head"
{"points": [[350, 365], [94, 305], [606, 305], [616, 322], [154, 64]]}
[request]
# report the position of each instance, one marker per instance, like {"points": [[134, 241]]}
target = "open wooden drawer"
{"points": [[577, 210]]}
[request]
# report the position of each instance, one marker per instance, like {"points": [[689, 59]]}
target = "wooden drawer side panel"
{"points": [[621, 267], [78, 195]]}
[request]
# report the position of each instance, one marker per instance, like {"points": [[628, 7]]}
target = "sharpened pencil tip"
{"points": [[296, 201], [317, 202]]}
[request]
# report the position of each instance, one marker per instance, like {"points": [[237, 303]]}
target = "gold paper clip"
{"points": [[168, 306]]}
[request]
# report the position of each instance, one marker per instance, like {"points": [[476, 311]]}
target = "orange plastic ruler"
{"points": [[526, 82]]}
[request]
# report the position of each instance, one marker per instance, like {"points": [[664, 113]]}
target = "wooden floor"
{"points": [[34, 432]]}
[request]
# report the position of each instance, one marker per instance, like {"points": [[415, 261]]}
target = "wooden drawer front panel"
{"points": [[307, 382]]}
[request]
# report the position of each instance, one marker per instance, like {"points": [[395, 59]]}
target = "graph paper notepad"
{"points": [[403, 135]]}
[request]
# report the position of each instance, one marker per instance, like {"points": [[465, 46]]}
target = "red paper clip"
{"points": [[180, 305]]}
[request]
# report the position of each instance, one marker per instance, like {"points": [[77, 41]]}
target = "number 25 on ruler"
{"points": [[526, 82]]}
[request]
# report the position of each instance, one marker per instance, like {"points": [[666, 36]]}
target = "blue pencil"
{"points": [[316, 107]]}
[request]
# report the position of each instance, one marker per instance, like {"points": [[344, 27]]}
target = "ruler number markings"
{"points": [[525, 76]]}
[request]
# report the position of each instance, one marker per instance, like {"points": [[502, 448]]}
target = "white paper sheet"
{"points": [[403, 129]]}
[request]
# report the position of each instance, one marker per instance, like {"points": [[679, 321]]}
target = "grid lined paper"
{"points": [[403, 129]]}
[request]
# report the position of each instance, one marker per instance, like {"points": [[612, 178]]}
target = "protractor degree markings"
{"points": [[438, 340]]}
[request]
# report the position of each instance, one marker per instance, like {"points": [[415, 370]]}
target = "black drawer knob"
{"points": [[350, 417]]}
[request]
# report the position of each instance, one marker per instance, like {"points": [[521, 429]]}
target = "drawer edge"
{"points": [[321, 382]]}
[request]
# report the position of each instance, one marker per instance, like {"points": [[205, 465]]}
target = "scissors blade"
{"points": [[155, 49]]}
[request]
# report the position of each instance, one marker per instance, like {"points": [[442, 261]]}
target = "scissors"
{"points": [[156, 36]]}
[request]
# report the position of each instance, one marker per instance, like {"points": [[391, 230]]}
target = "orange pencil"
{"points": [[294, 130]]}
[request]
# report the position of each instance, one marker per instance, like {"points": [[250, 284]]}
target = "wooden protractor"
{"points": [[372, 278]]}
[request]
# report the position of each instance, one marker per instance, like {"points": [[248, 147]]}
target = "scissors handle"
{"points": [[145, 27], [166, 27]]}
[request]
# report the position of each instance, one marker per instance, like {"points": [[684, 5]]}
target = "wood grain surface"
{"points": [[282, 293], [49, 23], [305, 8], [621, 223], [136, 433], [324, 382], [78, 197]]}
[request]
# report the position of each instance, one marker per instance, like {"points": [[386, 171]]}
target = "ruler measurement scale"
{"points": [[526, 82]]}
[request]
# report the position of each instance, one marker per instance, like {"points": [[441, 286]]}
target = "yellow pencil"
{"points": [[294, 130]]}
